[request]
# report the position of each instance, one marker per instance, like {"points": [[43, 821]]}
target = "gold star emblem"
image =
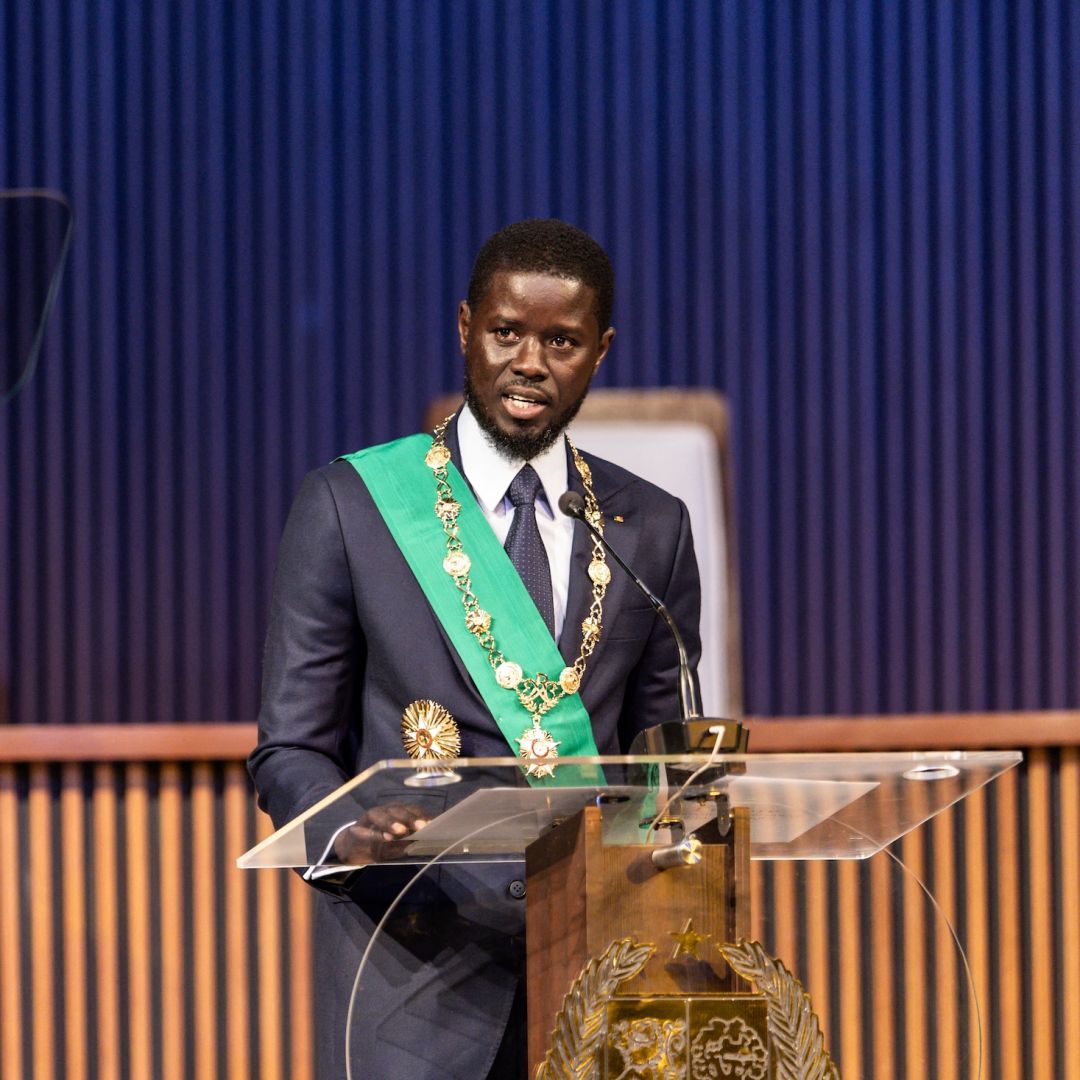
{"points": [[687, 940], [429, 731]]}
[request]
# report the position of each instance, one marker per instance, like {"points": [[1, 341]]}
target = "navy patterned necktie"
{"points": [[524, 545]]}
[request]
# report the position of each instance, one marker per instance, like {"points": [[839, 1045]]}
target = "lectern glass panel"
{"points": [[800, 806]]}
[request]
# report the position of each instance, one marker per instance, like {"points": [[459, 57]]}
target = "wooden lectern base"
{"points": [[584, 895]]}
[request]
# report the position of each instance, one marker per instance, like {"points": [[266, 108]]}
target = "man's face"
{"points": [[530, 347]]}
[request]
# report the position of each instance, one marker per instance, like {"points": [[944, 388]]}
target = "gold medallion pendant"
{"points": [[437, 457], [539, 749]]}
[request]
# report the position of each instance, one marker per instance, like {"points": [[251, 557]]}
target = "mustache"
{"points": [[535, 393]]}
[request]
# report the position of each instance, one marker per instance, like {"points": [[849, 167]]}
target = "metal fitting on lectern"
{"points": [[686, 852]]}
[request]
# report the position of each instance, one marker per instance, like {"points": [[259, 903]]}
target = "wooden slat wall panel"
{"points": [[131, 947]]}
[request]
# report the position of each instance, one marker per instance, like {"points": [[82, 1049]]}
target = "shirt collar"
{"points": [[490, 473]]}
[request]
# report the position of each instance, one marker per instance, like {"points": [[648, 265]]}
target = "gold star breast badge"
{"points": [[428, 731]]}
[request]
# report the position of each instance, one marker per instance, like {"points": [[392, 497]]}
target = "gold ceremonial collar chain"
{"points": [[538, 694]]}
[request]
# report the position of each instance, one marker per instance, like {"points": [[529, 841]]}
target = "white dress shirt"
{"points": [[490, 474]]}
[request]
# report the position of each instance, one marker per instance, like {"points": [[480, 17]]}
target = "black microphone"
{"points": [[573, 505]]}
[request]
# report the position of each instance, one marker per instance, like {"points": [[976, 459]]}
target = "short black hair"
{"points": [[546, 246]]}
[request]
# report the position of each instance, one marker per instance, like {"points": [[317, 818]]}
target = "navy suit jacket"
{"points": [[352, 641]]}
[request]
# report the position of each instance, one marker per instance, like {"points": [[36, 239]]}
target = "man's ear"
{"points": [[606, 339], [464, 316]]}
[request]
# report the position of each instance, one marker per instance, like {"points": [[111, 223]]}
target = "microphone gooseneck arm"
{"points": [[573, 505]]}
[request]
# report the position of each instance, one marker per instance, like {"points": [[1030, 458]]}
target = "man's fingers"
{"points": [[381, 834], [360, 845], [398, 819]]}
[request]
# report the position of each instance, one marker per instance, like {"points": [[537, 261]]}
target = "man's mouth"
{"points": [[523, 405]]}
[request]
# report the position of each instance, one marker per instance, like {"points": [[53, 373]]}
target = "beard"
{"points": [[516, 446]]}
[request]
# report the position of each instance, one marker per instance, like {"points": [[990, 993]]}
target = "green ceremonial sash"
{"points": [[403, 488]]}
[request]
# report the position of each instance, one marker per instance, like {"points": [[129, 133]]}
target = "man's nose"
{"points": [[529, 360]]}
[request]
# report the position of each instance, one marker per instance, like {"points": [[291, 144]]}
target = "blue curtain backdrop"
{"points": [[858, 220]]}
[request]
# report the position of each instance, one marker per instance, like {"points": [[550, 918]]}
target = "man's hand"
{"points": [[381, 834]]}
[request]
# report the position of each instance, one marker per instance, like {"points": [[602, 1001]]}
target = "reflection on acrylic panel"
{"points": [[35, 234]]}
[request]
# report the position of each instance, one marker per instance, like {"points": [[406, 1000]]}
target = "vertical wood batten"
{"points": [[204, 898], [137, 943], [12, 867], [819, 951], [268, 956], [1039, 968], [42, 939], [948, 969], [977, 936], [783, 918], [1007, 952], [237, 887], [174, 888], [72, 838], [882, 875], [911, 957], [853, 971], [1068, 879], [105, 943]]}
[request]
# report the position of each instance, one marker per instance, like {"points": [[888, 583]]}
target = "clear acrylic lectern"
{"points": [[641, 871]]}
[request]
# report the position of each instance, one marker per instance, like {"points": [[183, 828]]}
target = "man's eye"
{"points": [[504, 333], [561, 342]]}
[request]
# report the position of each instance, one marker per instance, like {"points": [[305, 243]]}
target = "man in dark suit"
{"points": [[356, 635]]}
